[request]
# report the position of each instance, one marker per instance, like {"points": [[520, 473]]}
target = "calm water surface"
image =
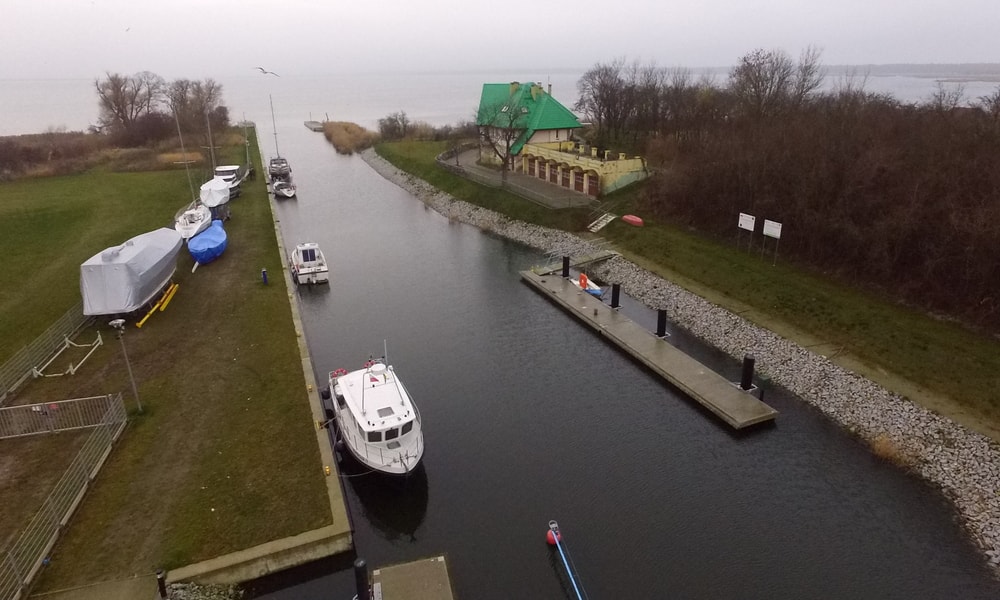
{"points": [[530, 417]]}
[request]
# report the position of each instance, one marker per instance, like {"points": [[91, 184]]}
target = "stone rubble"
{"points": [[964, 464], [194, 591]]}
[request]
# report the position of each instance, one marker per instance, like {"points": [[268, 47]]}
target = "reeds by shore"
{"points": [[348, 138]]}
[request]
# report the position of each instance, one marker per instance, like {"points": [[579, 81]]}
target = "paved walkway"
{"points": [[526, 186]]}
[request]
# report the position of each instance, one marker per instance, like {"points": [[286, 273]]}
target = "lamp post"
{"points": [[119, 325]]}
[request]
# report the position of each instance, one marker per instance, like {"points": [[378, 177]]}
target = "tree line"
{"points": [[901, 197], [143, 108]]}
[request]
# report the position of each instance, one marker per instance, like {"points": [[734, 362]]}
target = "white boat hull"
{"points": [[308, 264], [310, 277], [193, 221], [396, 455]]}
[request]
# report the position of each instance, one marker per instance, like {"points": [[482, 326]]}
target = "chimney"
{"points": [[550, 89], [534, 91], [513, 87]]}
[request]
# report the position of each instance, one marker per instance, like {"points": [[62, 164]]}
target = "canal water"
{"points": [[529, 417]]}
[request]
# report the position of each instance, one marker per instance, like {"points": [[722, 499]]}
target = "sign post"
{"points": [[746, 222], [772, 229]]}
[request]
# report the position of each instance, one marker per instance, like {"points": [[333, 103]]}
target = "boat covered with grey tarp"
{"points": [[121, 279]]}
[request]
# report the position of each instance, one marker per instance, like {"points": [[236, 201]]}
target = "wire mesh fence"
{"points": [[21, 560], [18, 367]]}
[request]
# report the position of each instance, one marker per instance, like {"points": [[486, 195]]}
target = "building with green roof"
{"points": [[522, 125]]}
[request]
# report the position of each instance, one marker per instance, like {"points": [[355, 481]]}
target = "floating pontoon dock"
{"points": [[418, 580], [314, 125], [733, 405]]}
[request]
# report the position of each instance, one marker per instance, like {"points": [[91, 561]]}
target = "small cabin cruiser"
{"points": [[376, 418], [278, 168], [192, 220], [231, 175], [308, 264]]}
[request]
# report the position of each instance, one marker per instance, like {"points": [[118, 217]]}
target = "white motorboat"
{"points": [[376, 418], [283, 188], [308, 264], [192, 220]]}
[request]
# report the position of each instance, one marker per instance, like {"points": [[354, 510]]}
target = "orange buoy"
{"points": [[551, 537], [583, 280]]}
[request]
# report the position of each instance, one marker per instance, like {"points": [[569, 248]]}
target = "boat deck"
{"points": [[731, 404]]}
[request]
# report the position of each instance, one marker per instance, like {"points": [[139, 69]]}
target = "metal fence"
{"points": [[49, 417], [19, 562], [18, 368]]}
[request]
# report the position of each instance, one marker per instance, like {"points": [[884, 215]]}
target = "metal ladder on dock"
{"points": [[601, 221]]}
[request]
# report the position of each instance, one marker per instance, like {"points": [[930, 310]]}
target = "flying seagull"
{"points": [[266, 72]]}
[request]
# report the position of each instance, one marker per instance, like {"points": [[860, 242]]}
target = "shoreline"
{"points": [[963, 464]]}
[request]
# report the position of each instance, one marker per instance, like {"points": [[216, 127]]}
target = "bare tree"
{"points": [[761, 81], [124, 99], [808, 74], [500, 125], [991, 105], [604, 97], [198, 104], [946, 98]]}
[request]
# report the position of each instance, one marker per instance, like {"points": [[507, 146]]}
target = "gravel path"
{"points": [[964, 464]]}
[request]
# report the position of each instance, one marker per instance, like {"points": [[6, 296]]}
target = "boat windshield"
{"points": [[308, 254]]}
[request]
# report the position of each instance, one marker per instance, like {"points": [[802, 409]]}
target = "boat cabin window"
{"points": [[391, 434], [376, 436], [308, 254], [407, 427], [385, 412]]}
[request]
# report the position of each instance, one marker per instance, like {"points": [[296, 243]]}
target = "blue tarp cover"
{"points": [[209, 244]]}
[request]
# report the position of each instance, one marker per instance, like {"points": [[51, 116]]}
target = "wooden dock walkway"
{"points": [[726, 400], [425, 579]]}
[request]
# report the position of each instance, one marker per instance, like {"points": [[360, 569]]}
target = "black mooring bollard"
{"points": [[746, 381], [161, 583], [616, 289], [661, 323], [565, 267], [361, 579], [263, 275]]}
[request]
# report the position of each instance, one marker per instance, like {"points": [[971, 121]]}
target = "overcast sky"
{"points": [[209, 38]]}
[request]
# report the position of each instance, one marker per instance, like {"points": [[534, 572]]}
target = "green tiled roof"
{"points": [[543, 111]]}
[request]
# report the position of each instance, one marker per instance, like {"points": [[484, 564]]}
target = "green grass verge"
{"points": [[881, 339], [224, 456]]}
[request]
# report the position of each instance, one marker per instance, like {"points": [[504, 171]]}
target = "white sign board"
{"points": [[772, 229], [747, 222]]}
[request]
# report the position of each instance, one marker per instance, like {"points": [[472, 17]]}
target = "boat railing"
{"points": [[376, 453]]}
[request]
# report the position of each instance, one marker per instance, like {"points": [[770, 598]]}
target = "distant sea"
{"points": [[438, 98]]}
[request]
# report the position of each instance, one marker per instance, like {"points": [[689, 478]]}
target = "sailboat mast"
{"points": [[184, 152], [274, 127], [211, 144]]}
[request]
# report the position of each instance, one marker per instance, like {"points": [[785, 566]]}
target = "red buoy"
{"points": [[632, 220], [551, 537]]}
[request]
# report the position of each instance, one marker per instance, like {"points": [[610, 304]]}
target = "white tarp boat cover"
{"points": [[214, 192], [122, 278]]}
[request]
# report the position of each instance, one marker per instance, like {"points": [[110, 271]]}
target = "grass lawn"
{"points": [[224, 456], [937, 363]]}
